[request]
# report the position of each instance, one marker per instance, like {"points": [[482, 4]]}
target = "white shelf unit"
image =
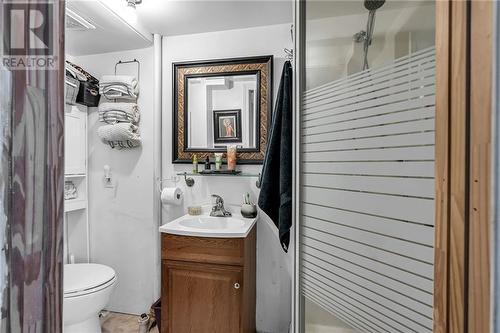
{"points": [[80, 202], [75, 204], [75, 154], [75, 169]]}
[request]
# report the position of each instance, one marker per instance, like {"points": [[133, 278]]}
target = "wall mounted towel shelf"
{"points": [[121, 62]]}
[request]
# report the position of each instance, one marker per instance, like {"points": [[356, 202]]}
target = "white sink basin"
{"points": [[207, 226], [212, 223]]}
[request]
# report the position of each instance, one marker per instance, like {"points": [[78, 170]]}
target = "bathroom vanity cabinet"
{"points": [[208, 284]]}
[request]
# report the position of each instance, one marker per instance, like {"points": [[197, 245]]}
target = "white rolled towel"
{"points": [[118, 91], [127, 80], [119, 86], [124, 135], [119, 112]]}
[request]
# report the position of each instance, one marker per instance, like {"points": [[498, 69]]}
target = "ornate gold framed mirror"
{"points": [[219, 103]]}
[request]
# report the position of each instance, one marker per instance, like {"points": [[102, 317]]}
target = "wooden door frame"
{"points": [[464, 67]]}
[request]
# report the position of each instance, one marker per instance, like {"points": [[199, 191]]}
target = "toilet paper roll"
{"points": [[171, 195]]}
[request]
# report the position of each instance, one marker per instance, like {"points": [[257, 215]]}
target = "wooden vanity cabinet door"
{"points": [[201, 298]]}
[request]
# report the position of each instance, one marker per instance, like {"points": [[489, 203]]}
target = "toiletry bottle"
{"points": [[218, 161], [231, 157], [207, 163], [195, 163]]}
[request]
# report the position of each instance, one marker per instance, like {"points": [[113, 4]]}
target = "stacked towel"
{"points": [[112, 113], [119, 86], [122, 135], [121, 130], [75, 72]]}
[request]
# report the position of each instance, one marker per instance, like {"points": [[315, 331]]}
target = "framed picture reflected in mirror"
{"points": [[227, 126]]}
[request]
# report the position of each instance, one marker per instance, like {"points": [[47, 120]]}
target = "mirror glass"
{"points": [[222, 110]]}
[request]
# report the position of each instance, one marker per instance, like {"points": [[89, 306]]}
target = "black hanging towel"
{"points": [[275, 197]]}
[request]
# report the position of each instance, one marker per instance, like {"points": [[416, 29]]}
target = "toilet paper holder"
{"points": [[189, 180], [173, 179]]}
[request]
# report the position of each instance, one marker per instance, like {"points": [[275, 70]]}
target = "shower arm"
{"points": [[372, 6], [368, 38]]}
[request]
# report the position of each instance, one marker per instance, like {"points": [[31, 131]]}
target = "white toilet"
{"points": [[87, 288]]}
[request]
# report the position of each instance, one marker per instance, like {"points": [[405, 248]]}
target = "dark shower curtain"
{"points": [[31, 169]]}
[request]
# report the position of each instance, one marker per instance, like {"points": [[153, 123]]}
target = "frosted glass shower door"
{"points": [[367, 168]]}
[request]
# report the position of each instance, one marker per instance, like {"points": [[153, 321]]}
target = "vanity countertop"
{"points": [[205, 225]]}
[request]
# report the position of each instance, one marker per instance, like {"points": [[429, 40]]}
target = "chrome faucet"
{"points": [[218, 210]]}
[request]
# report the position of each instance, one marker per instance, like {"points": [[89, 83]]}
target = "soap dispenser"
{"points": [[207, 163]]}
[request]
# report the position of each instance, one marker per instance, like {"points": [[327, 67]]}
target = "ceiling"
{"points": [[118, 29], [112, 32], [169, 17]]}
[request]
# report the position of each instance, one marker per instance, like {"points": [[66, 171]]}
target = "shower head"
{"points": [[374, 4]]}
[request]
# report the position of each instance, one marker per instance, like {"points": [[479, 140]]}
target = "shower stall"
{"points": [[366, 166]]}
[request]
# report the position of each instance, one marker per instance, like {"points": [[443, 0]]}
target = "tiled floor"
{"points": [[114, 322], [327, 329]]}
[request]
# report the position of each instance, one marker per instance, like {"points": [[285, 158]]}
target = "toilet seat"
{"points": [[84, 279]]}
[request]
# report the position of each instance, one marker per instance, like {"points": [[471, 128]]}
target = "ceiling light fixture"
{"points": [[133, 3], [77, 23]]}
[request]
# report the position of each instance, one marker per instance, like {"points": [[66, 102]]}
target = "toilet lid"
{"points": [[79, 277]]}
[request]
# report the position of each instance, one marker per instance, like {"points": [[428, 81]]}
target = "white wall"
{"points": [[332, 54], [274, 268], [123, 230]]}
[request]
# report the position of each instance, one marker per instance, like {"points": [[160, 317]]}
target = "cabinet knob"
{"points": [[236, 285]]}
